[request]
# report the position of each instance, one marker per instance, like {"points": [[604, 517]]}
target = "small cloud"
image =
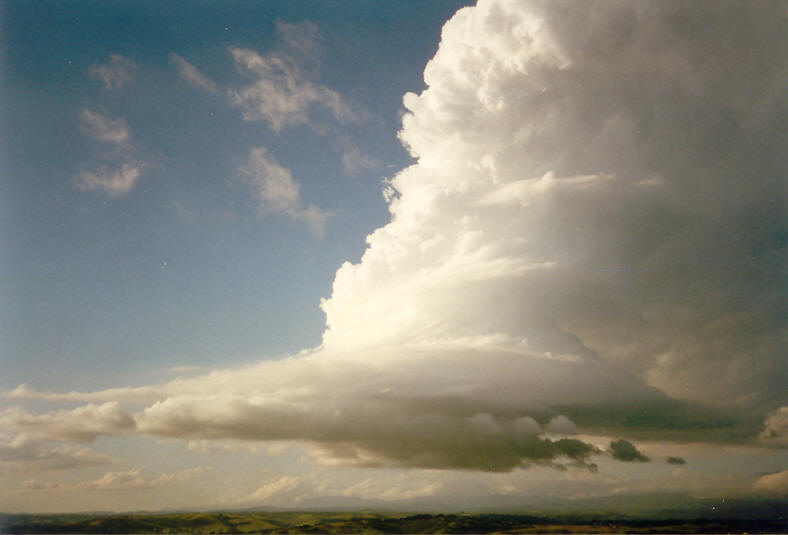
{"points": [[114, 182], [354, 162], [105, 129], [675, 460], [623, 450], [120, 172], [191, 74], [281, 93], [115, 74], [277, 192]]}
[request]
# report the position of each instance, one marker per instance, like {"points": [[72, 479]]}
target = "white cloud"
{"points": [[281, 487], [115, 74], [525, 217], [114, 182], [399, 487], [277, 192], [105, 129], [80, 424], [143, 394], [191, 74], [121, 171], [282, 93]]}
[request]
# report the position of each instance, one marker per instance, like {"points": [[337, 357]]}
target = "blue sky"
{"points": [[182, 270], [400, 254]]}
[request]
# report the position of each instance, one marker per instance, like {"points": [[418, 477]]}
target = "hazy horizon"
{"points": [[281, 254]]}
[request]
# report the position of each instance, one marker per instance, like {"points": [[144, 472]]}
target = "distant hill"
{"points": [[742, 517]]}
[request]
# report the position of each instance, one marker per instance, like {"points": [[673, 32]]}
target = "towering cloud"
{"points": [[592, 228], [596, 181]]}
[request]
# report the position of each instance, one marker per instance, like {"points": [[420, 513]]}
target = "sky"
{"points": [[412, 254]]}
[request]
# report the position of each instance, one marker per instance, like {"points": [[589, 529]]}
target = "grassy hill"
{"points": [[374, 523]]}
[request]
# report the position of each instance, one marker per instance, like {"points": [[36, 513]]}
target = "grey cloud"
{"points": [[437, 410], [623, 450]]}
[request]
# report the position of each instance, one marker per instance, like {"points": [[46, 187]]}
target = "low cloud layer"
{"points": [[25, 454], [593, 227]]}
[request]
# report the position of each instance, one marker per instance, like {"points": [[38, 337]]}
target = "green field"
{"points": [[340, 523]]}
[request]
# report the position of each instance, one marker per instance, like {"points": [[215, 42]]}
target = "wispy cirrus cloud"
{"points": [[115, 182], [192, 75], [115, 74], [282, 93], [105, 129], [120, 169], [277, 192]]}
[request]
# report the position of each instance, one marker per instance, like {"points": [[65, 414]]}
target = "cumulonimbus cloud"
{"points": [[592, 228]]}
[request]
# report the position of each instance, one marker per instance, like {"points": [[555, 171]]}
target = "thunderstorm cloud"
{"points": [[592, 228]]}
